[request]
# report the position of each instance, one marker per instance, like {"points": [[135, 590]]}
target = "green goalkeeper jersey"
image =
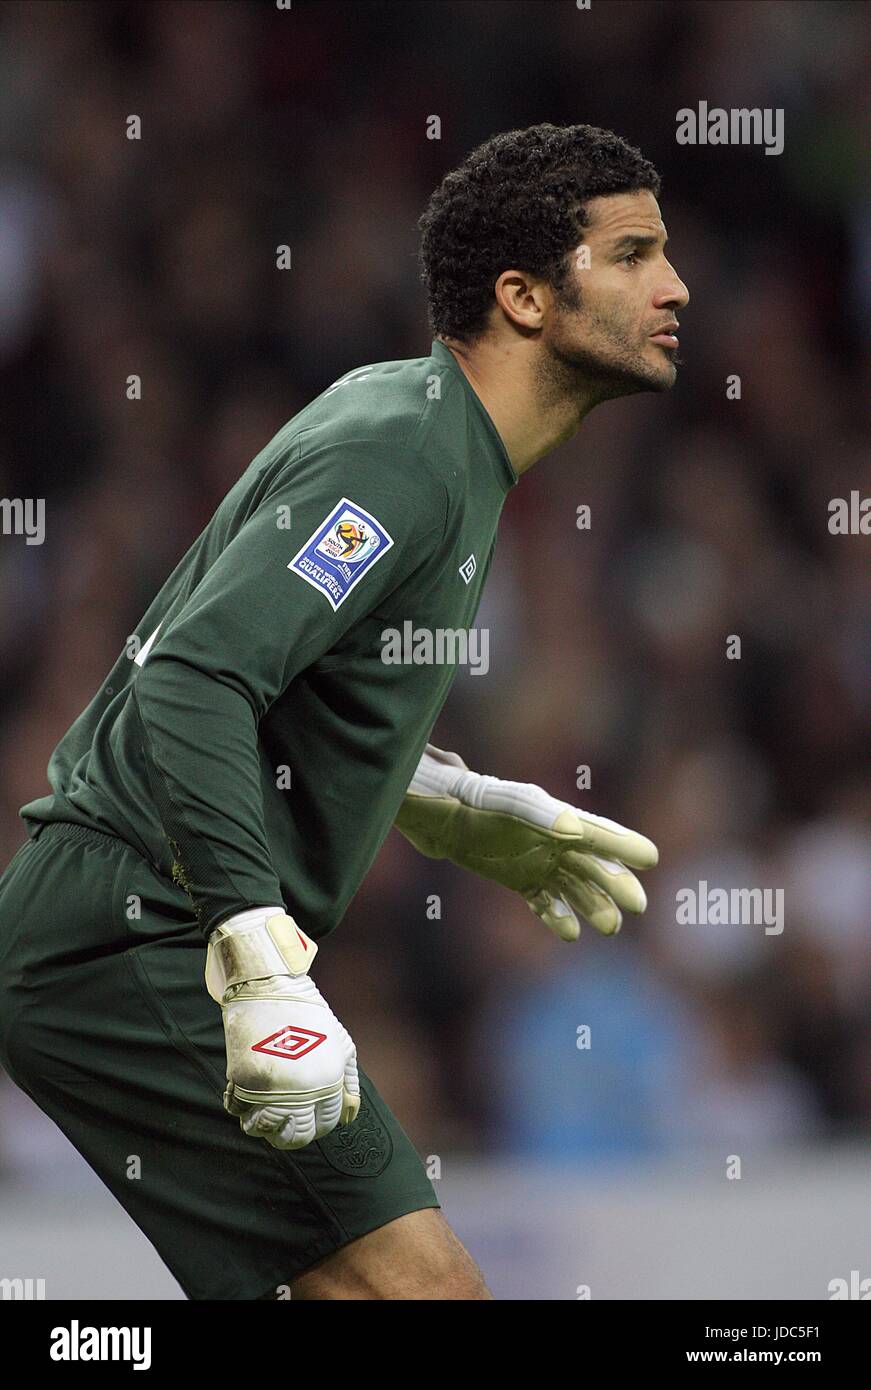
{"points": [[252, 742]]}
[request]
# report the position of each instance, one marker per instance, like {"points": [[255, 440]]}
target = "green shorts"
{"points": [[106, 1024]]}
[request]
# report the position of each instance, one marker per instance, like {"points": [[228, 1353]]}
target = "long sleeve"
{"points": [[272, 603]]}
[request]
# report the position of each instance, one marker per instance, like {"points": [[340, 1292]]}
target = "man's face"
{"points": [[614, 323]]}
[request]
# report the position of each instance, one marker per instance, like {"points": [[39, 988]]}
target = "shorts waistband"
{"points": [[70, 830]]}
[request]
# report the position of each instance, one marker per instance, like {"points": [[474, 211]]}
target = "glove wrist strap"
{"points": [[440, 774], [256, 951]]}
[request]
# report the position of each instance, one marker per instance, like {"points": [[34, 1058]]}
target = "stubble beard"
{"points": [[572, 369]]}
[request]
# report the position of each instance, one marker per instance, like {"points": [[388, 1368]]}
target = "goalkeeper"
{"points": [[214, 808]]}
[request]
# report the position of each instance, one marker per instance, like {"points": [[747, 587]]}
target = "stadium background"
{"points": [[559, 1167]]}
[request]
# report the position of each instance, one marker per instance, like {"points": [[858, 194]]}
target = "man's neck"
{"points": [[530, 421]]}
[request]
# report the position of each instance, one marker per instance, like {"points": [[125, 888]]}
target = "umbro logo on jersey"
{"points": [[467, 569], [291, 1042]]}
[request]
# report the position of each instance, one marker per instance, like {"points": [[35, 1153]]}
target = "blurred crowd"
{"points": [[608, 646]]}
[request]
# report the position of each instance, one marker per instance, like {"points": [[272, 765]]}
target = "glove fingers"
{"points": [[329, 1114], [606, 837], [295, 1132], [594, 906], [613, 878], [350, 1107], [556, 914], [294, 1128], [303, 1126], [273, 1122], [351, 1090]]}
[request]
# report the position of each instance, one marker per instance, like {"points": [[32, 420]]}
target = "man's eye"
{"points": [[633, 257]]}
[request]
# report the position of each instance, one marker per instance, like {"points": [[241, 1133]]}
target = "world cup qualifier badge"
{"points": [[338, 552]]}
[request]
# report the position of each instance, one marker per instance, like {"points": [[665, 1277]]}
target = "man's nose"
{"points": [[673, 292]]}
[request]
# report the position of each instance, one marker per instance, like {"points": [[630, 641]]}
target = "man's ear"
{"points": [[522, 298]]}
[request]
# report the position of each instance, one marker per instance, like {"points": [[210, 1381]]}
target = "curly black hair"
{"points": [[517, 200]]}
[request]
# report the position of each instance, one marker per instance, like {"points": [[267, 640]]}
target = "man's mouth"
{"points": [[665, 336]]}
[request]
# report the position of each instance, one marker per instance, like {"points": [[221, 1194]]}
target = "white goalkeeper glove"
{"points": [[566, 863], [291, 1066]]}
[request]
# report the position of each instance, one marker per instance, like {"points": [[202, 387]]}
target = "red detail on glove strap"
{"points": [[302, 939], [291, 1042]]}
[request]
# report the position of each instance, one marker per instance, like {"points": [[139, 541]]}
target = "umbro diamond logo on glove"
{"points": [[291, 1042], [256, 969]]}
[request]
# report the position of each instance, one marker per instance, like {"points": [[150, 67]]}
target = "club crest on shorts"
{"points": [[338, 552], [362, 1149]]}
